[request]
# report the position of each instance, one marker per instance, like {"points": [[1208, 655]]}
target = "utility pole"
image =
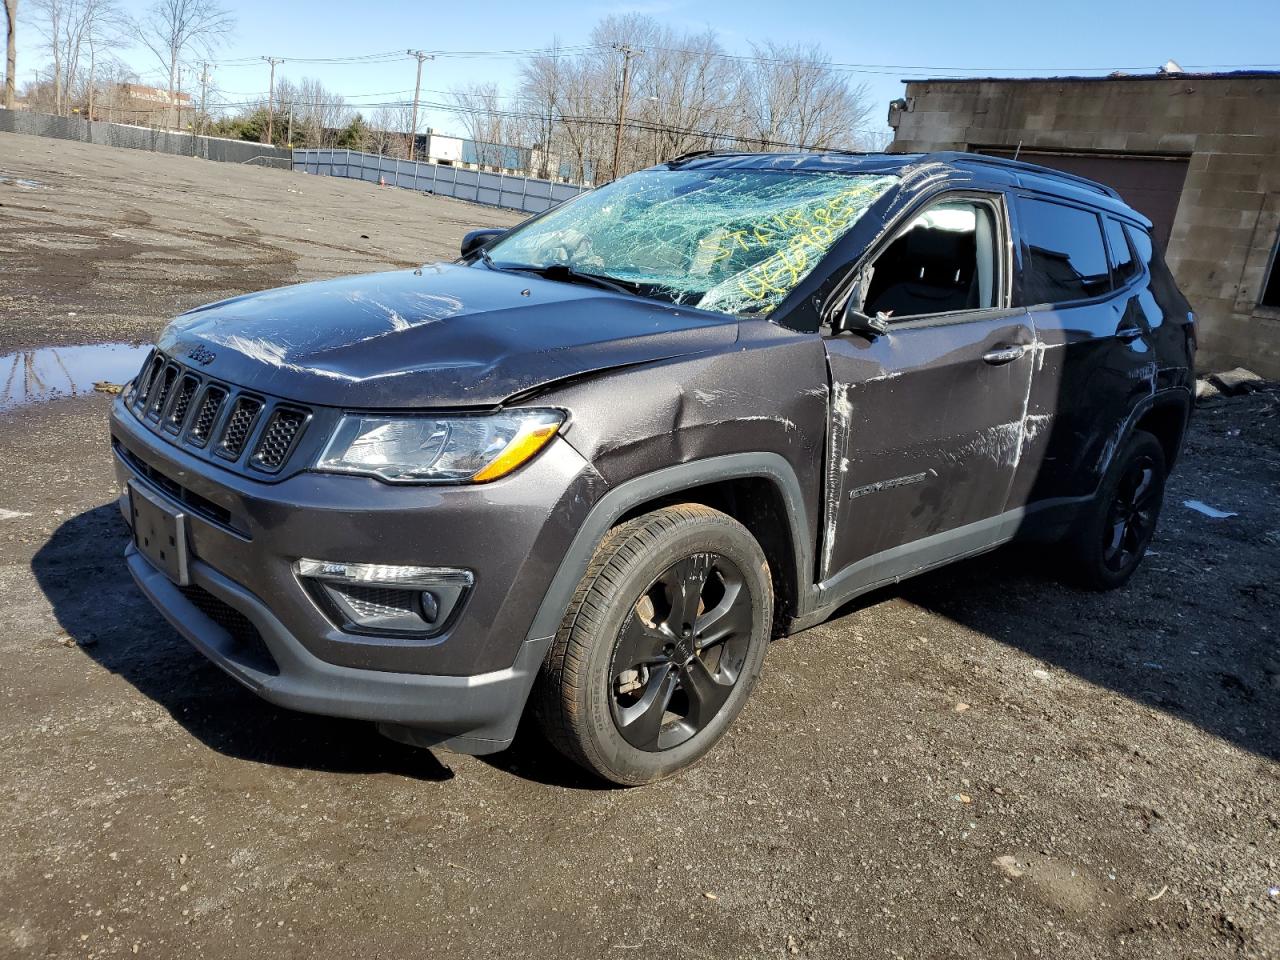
{"points": [[417, 88], [204, 92], [11, 52], [627, 53], [288, 137], [271, 96], [91, 65]]}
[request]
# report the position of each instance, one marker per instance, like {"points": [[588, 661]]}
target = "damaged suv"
{"points": [[593, 466]]}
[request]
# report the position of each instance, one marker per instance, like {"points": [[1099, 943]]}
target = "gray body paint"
{"points": [[856, 460]]}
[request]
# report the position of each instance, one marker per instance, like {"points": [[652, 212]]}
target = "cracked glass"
{"points": [[734, 241]]}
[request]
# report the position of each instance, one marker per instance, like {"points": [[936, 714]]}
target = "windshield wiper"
{"points": [[569, 274]]}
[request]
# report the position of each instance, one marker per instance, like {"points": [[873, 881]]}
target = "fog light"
{"points": [[386, 599], [430, 606]]}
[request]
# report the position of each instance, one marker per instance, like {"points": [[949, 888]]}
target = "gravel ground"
{"points": [[981, 764]]}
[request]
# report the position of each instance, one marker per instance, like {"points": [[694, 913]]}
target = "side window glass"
{"points": [[1271, 291], [946, 260], [1123, 264], [1163, 289], [1141, 241], [1065, 256]]}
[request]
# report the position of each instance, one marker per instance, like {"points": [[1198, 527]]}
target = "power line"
{"points": [[846, 66], [392, 55], [891, 68]]}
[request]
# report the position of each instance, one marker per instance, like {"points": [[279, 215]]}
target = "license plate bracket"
{"points": [[160, 534]]}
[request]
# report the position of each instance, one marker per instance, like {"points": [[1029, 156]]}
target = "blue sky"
{"points": [[892, 39]]}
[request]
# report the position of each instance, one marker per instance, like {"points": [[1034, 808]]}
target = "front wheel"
{"points": [[1110, 543], [660, 646]]}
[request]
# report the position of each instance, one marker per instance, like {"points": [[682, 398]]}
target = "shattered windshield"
{"points": [[736, 241]]}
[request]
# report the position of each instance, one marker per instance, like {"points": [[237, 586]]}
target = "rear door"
{"points": [[926, 420], [1093, 361]]}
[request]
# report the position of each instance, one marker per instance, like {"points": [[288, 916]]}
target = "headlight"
{"points": [[473, 448]]}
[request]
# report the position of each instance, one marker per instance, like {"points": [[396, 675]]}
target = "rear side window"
{"points": [[1123, 264], [1141, 241], [1065, 256], [1162, 283]]}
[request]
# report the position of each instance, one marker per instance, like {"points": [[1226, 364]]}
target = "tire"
{"points": [[1111, 541], [644, 675]]}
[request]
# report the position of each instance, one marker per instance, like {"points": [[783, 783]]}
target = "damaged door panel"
{"points": [[926, 431]]}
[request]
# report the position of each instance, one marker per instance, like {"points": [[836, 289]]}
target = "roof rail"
{"points": [[959, 156], [694, 154]]}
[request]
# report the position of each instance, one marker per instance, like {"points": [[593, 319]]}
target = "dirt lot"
{"points": [[983, 763]]}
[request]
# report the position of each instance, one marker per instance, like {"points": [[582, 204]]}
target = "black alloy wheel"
{"points": [[660, 646], [1131, 521], [680, 652], [1109, 541]]}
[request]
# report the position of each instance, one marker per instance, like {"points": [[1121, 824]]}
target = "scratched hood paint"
{"points": [[445, 335]]}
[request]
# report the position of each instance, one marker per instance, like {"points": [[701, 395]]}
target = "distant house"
{"points": [[495, 156], [472, 154], [137, 93], [1199, 154]]}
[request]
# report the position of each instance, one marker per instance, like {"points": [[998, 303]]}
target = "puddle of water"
{"points": [[21, 182], [55, 373]]}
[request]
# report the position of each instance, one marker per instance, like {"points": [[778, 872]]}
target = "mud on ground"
{"points": [[980, 764], [100, 243]]}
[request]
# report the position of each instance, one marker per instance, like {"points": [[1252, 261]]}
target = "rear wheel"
{"points": [[1112, 541], [660, 647]]}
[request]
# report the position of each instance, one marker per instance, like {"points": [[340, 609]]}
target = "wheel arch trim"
{"points": [[664, 482], [1161, 399]]}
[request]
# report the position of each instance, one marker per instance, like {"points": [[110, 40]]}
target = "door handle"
{"points": [[998, 355], [1129, 333]]}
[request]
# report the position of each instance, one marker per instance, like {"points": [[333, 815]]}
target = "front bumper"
{"points": [[472, 714], [466, 686]]}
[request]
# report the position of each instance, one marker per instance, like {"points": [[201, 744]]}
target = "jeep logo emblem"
{"points": [[683, 652], [201, 355]]}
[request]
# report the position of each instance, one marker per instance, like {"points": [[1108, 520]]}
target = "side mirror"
{"points": [[855, 321], [475, 239]]}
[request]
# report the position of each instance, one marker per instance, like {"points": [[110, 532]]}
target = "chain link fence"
{"points": [[528, 194], [141, 138]]}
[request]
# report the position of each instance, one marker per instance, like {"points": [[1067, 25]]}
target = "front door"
{"points": [[927, 420]]}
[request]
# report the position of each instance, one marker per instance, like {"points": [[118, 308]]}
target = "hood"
{"points": [[443, 335]]}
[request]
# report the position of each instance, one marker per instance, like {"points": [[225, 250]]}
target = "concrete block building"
{"points": [[1197, 153]]}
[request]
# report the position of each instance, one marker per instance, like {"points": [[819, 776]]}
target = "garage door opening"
{"points": [[1151, 185]]}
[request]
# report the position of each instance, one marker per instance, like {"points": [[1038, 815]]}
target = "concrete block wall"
{"points": [[1228, 219]]}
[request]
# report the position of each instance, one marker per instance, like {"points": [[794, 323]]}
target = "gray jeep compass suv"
{"points": [[594, 465]]}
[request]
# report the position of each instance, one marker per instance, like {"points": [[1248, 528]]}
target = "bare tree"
{"points": [[790, 96], [172, 28], [541, 85], [683, 98], [114, 74], [321, 114], [479, 107], [11, 52], [74, 31], [388, 131], [52, 15], [685, 93], [104, 29]]}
